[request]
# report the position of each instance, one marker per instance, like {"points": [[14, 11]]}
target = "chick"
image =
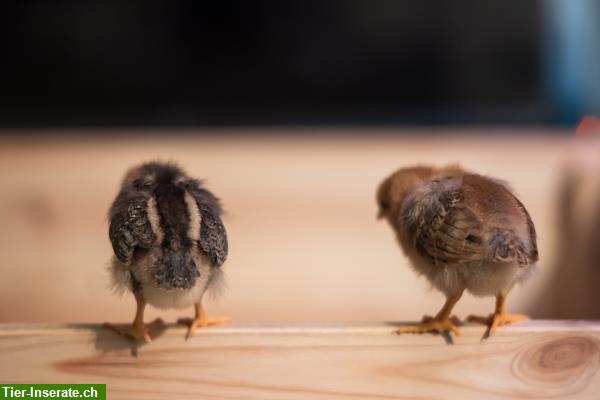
{"points": [[169, 244], [463, 231]]}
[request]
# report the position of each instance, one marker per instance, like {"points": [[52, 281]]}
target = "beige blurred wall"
{"points": [[304, 241]]}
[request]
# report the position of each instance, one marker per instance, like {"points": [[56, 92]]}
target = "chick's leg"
{"points": [[201, 320], [499, 317], [442, 322], [137, 330]]}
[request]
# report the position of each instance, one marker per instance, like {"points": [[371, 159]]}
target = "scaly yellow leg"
{"points": [[137, 330], [442, 322], [499, 317], [201, 320]]}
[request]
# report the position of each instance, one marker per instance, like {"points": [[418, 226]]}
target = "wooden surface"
{"points": [[539, 359]]}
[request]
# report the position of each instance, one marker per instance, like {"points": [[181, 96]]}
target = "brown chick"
{"points": [[463, 231]]}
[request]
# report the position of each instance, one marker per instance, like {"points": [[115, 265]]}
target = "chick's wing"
{"points": [[440, 226], [130, 228]]}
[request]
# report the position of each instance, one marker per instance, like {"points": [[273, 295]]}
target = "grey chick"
{"points": [[169, 243], [463, 231]]}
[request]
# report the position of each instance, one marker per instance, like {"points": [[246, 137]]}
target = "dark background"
{"points": [[194, 63]]}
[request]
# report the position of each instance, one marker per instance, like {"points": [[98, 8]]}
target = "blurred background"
{"points": [[293, 112]]}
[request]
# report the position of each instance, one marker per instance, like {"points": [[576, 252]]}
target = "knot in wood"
{"points": [[562, 360]]}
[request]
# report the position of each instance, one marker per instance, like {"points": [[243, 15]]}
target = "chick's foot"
{"points": [[432, 325], [497, 319], [136, 331], [202, 322]]}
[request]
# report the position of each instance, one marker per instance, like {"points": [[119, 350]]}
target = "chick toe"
{"points": [[136, 331], [195, 323], [493, 321], [432, 325]]}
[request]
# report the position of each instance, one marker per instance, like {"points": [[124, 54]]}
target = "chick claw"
{"points": [[432, 325], [195, 323], [495, 320], [136, 331]]}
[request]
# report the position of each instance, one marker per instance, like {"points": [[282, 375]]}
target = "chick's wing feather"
{"points": [[440, 226], [213, 236], [532, 253], [130, 228], [506, 246]]}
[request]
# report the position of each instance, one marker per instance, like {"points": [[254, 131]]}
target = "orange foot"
{"points": [[202, 322], [136, 331], [495, 320], [432, 325]]}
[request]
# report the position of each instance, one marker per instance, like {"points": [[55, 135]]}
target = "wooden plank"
{"points": [[538, 359]]}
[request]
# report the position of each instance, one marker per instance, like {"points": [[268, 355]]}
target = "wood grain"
{"points": [[534, 360]]}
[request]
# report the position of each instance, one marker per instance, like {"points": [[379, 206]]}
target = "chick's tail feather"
{"points": [[175, 270]]}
